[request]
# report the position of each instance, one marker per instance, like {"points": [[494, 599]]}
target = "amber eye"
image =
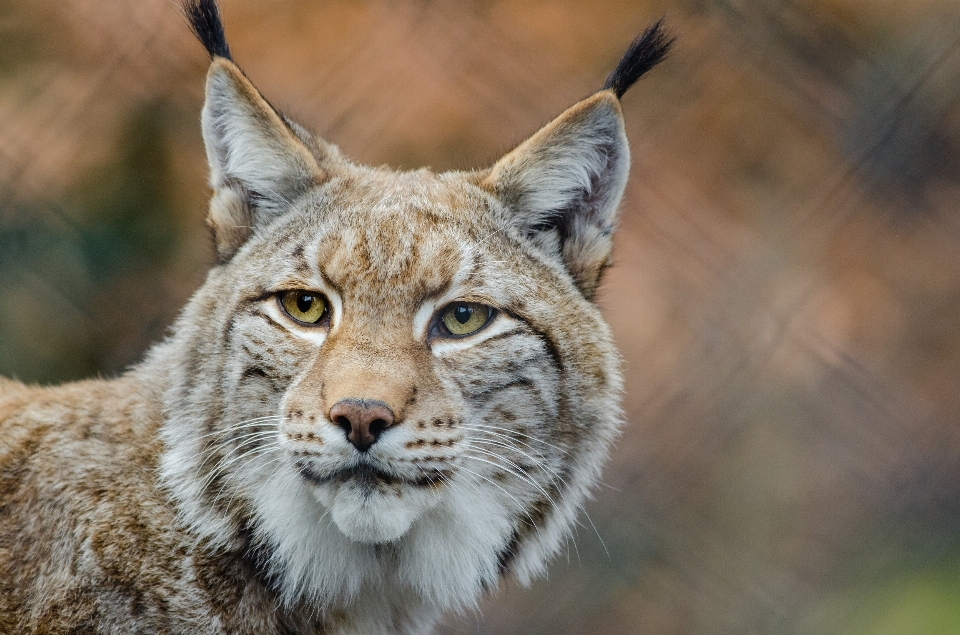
{"points": [[306, 307], [464, 318]]}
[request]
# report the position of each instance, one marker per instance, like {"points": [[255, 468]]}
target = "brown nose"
{"points": [[362, 419]]}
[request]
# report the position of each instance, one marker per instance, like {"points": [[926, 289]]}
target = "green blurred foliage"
{"points": [[928, 604]]}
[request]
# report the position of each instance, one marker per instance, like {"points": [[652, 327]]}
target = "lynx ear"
{"points": [[259, 162], [258, 165], [563, 185]]}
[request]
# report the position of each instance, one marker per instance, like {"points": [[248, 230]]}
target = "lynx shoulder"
{"points": [[392, 391]]}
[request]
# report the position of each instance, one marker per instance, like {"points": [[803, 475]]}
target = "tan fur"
{"points": [[208, 490], [88, 542]]}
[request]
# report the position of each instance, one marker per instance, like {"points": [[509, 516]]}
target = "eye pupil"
{"points": [[304, 302], [304, 306], [462, 314], [463, 318]]}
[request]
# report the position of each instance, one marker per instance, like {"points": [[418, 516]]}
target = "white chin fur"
{"points": [[374, 516]]}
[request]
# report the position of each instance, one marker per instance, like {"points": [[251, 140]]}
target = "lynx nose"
{"points": [[362, 419]]}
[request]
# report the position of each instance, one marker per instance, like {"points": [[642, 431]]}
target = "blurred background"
{"points": [[786, 292]]}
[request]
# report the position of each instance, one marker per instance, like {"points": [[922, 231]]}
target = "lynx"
{"points": [[392, 391]]}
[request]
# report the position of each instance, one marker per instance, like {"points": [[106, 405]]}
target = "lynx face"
{"points": [[330, 386], [385, 412], [394, 380]]}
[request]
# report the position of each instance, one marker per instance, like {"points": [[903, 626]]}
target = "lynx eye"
{"points": [[463, 318], [306, 307]]}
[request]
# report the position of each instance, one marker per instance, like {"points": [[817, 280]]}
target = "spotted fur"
{"points": [[208, 490]]}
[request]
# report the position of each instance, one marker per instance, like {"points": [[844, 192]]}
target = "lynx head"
{"points": [[395, 379]]}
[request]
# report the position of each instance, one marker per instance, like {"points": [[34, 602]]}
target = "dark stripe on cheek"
{"points": [[263, 368], [551, 345], [270, 321], [259, 375], [254, 372], [552, 349], [501, 336], [227, 331]]}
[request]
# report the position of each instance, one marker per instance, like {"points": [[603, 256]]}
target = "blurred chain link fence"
{"points": [[786, 293]]}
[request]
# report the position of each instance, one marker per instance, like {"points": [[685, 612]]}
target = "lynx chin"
{"points": [[392, 391]]}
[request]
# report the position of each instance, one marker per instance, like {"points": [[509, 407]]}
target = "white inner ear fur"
{"points": [[570, 174], [582, 154], [248, 145]]}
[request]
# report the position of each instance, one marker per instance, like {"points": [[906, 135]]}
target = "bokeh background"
{"points": [[786, 292]]}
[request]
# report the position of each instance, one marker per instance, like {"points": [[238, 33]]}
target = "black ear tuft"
{"points": [[646, 51], [204, 19]]}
